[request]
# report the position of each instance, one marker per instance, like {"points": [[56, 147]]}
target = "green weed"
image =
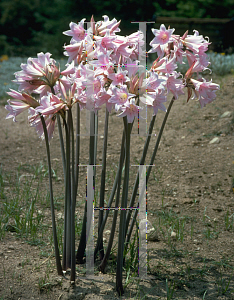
{"points": [[170, 288], [223, 284], [229, 220]]}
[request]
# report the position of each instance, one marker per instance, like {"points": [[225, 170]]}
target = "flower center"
{"points": [[132, 108], [123, 97], [164, 36], [120, 77], [81, 34], [97, 86]]}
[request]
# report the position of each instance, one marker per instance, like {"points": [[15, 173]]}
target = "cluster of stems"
{"points": [[70, 158], [105, 68]]}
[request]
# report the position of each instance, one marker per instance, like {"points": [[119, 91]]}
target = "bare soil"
{"points": [[190, 204]]}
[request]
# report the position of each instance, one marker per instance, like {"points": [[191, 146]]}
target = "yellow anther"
{"points": [[123, 97]]}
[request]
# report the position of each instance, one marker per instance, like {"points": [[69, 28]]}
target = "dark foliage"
{"points": [[28, 27]]}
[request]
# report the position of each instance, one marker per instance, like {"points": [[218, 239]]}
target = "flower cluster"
{"points": [[104, 69], [173, 48]]}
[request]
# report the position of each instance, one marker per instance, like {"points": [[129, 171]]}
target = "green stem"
{"points": [[95, 144], [61, 145], [67, 211], [77, 146], [61, 140], [102, 188], [150, 166], [119, 270], [159, 138], [142, 162], [82, 243], [119, 171], [118, 177], [56, 248], [73, 200]]}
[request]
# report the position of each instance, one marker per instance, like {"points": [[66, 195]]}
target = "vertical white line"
{"points": [[142, 59], [142, 219], [90, 224], [88, 114]]}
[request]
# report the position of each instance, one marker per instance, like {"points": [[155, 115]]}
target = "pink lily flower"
{"points": [[199, 62], [15, 108], [175, 85], [42, 90], [155, 100], [102, 97], [178, 53], [163, 36], [39, 73], [153, 83], [35, 121], [80, 51], [122, 51], [107, 41], [66, 82], [94, 85], [103, 65], [73, 51], [77, 31], [205, 91], [136, 84], [120, 96], [23, 102], [120, 77], [133, 67], [158, 103], [166, 66], [130, 109], [50, 105], [136, 38], [194, 42], [81, 98], [103, 26], [70, 69]]}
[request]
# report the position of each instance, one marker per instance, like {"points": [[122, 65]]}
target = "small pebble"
{"points": [[215, 140], [226, 114], [60, 216]]}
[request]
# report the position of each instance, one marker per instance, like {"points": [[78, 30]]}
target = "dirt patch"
{"points": [[190, 204]]}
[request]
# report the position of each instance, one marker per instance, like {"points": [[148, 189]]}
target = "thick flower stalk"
{"points": [[104, 69]]}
